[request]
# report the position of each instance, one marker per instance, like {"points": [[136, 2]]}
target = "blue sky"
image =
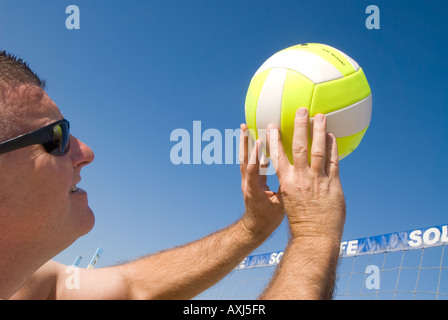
{"points": [[137, 70]]}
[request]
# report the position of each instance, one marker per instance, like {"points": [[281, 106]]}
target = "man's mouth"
{"points": [[73, 188]]}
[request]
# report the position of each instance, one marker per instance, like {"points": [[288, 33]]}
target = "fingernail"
{"points": [[302, 112], [319, 118]]}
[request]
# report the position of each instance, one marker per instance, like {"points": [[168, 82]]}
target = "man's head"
{"points": [[38, 208]]}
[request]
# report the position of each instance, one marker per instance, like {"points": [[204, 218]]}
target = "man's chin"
{"points": [[85, 221], [90, 223], [82, 215]]}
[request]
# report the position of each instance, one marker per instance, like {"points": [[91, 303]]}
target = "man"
{"points": [[42, 211]]}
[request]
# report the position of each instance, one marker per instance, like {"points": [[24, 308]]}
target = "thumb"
{"points": [[276, 152]]}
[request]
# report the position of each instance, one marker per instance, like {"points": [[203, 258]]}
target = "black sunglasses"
{"points": [[55, 138]]}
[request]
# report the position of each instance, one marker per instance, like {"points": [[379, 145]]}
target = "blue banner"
{"points": [[405, 240]]}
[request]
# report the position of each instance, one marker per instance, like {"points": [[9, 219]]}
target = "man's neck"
{"points": [[18, 261]]}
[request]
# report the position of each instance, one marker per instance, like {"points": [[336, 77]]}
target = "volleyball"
{"points": [[319, 78]]}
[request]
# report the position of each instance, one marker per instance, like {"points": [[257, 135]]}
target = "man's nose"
{"points": [[80, 153]]}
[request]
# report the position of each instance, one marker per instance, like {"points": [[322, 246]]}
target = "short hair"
{"points": [[15, 71]]}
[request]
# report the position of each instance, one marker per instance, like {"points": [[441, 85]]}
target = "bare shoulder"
{"points": [[41, 285], [55, 281]]}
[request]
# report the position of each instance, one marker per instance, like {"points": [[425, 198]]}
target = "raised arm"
{"points": [[177, 273], [184, 272], [315, 206]]}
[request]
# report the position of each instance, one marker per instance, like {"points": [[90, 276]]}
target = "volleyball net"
{"points": [[401, 265]]}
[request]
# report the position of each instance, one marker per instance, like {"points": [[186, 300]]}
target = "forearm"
{"points": [[307, 270], [183, 272]]}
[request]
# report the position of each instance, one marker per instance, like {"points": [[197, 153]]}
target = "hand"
{"points": [[311, 192], [264, 208]]}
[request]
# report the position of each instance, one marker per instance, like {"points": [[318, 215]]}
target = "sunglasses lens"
{"points": [[60, 138]]}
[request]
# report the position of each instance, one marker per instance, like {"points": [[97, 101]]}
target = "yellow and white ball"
{"points": [[318, 77]]}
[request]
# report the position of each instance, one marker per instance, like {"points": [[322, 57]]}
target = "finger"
{"points": [[264, 165], [243, 148], [332, 166], [253, 167], [263, 179], [318, 147], [328, 153], [264, 161], [276, 151], [254, 157], [300, 140]]}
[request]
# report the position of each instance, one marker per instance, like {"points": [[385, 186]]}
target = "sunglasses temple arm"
{"points": [[17, 143]]}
